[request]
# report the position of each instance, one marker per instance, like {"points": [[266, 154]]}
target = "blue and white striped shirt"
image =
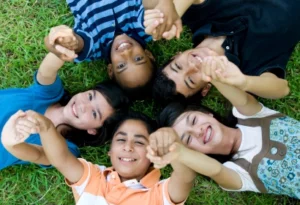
{"points": [[97, 22]]}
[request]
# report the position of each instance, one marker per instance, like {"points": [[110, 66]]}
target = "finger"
{"points": [[153, 16], [26, 122], [65, 51], [22, 134], [152, 143], [150, 11], [54, 36], [151, 28], [160, 146], [178, 25], [150, 151], [18, 114], [24, 128], [170, 34], [155, 21]]}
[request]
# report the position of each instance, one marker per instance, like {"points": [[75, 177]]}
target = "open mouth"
{"points": [[208, 135], [123, 46], [124, 159], [74, 110]]}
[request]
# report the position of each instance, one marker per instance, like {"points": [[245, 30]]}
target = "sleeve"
{"points": [[53, 91], [89, 173], [165, 193], [248, 184], [262, 113]]}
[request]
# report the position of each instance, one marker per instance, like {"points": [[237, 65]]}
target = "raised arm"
{"points": [[56, 149], [162, 142], [215, 70], [14, 133], [48, 69]]}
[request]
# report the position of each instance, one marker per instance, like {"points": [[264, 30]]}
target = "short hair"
{"points": [[115, 97], [164, 89], [119, 118], [171, 112]]}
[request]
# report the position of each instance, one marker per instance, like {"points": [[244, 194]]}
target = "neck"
{"points": [[233, 138], [55, 114]]}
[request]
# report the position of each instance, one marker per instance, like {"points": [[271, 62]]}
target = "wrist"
{"points": [[245, 83], [80, 43]]}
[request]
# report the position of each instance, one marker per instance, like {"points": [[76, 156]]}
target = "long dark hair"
{"points": [[172, 111], [115, 98]]}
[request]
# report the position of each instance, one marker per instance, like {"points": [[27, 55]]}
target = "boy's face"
{"points": [[186, 70], [128, 150], [131, 65]]}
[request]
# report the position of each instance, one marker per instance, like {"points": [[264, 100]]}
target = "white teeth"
{"points": [[199, 59], [207, 137], [122, 45], [127, 159], [74, 110]]}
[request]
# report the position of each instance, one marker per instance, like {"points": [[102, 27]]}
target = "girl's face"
{"points": [[200, 132], [87, 110], [128, 150]]}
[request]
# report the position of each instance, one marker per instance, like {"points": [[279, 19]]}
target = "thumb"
{"points": [[18, 114], [65, 51]]}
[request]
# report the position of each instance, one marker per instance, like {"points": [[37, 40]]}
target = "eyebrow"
{"points": [[188, 119], [98, 111], [141, 136]]}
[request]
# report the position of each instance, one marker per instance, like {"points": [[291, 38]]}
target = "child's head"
{"points": [[130, 137], [90, 110], [131, 66]]}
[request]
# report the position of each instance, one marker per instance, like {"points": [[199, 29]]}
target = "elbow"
{"points": [[216, 171], [286, 89]]}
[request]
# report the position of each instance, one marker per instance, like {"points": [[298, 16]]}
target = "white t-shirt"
{"points": [[251, 145]]}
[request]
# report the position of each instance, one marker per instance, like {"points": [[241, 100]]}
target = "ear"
{"points": [[109, 153], [110, 71], [149, 54], [206, 89], [210, 114], [92, 131]]}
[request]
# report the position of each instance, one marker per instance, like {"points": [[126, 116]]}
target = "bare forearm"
{"points": [[267, 86], [181, 6], [28, 152], [48, 69], [200, 163], [55, 147], [245, 103], [183, 177]]}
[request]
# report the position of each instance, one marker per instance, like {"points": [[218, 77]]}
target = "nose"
{"points": [[83, 107], [128, 147], [126, 52]]}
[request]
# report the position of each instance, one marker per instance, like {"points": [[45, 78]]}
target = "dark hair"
{"points": [[121, 117], [115, 98], [143, 91], [171, 112]]}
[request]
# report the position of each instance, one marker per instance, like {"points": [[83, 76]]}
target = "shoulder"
{"points": [[264, 112]]}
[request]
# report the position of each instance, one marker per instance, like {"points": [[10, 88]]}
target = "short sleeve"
{"points": [[262, 113], [165, 193], [52, 91], [248, 184]]}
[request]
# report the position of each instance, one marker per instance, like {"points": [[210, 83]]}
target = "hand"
{"points": [[162, 139], [63, 42], [161, 162], [152, 18], [13, 132], [171, 18], [220, 69], [42, 123]]}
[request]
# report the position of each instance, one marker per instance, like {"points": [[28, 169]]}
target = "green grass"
{"points": [[24, 23]]}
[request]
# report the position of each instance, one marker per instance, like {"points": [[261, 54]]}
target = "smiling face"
{"points": [[131, 64], [200, 132], [128, 150], [87, 110], [185, 70]]}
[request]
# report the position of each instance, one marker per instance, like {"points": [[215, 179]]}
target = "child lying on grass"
{"points": [[131, 179], [262, 147], [79, 118]]}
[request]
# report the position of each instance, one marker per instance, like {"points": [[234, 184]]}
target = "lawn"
{"points": [[24, 23]]}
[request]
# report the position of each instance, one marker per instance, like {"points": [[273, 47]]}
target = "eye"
{"points": [[188, 140], [139, 58], [190, 79], [90, 96], [94, 114], [139, 143], [194, 120], [121, 65], [177, 66], [121, 140]]}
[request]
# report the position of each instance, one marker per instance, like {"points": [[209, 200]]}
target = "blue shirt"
{"points": [[36, 97], [99, 21]]}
